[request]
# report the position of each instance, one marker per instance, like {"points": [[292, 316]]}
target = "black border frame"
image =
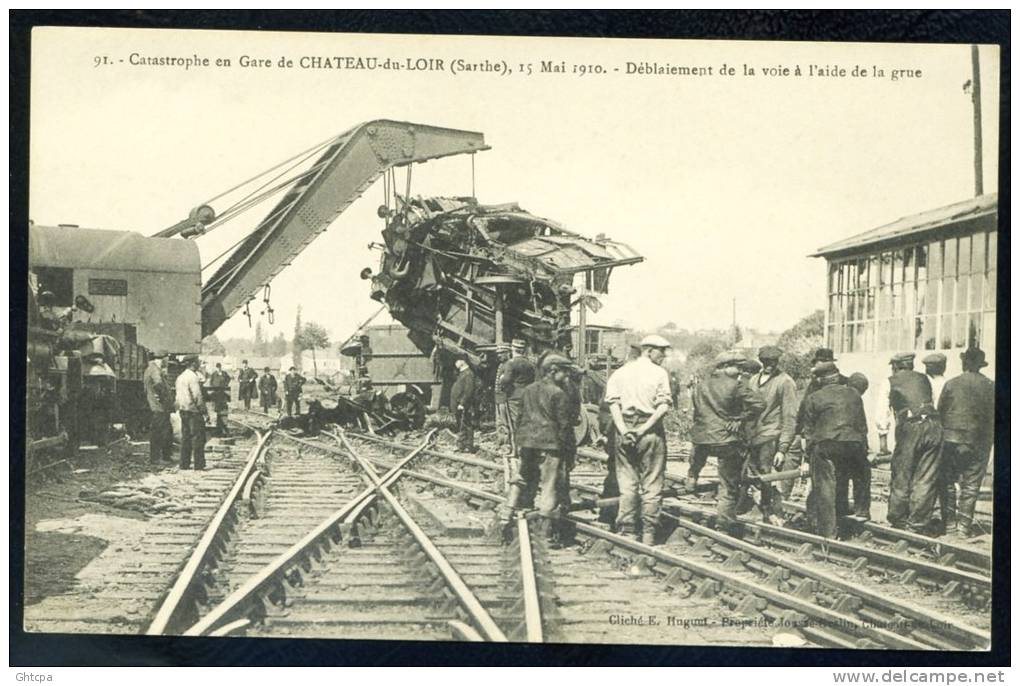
{"points": [[912, 26]]}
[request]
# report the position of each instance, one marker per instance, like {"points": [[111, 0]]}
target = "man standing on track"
{"points": [[546, 436], [722, 404], [967, 408], [158, 395], [463, 404], [917, 456], [639, 397], [267, 390], [247, 382], [292, 384], [860, 469], [500, 399], [518, 373], [834, 421], [219, 383], [772, 431], [191, 407]]}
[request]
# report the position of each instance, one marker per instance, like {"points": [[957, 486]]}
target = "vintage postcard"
{"points": [[561, 340]]}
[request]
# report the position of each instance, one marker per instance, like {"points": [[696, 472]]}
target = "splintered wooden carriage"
{"points": [[463, 276]]}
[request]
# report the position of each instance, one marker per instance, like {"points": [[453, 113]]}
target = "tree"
{"points": [[260, 342], [296, 351], [313, 336], [212, 346], [799, 342], [278, 346]]}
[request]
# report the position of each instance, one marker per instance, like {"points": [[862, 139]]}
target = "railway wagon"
{"points": [[102, 302]]}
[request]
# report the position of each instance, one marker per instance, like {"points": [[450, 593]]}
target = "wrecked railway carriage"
{"points": [[463, 277]]}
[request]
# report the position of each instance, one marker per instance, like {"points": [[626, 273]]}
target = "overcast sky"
{"points": [[724, 183]]}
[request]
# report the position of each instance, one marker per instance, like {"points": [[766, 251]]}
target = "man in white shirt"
{"points": [[639, 396], [935, 370], [191, 407]]}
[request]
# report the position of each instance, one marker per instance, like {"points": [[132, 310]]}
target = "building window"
{"points": [[932, 296]]}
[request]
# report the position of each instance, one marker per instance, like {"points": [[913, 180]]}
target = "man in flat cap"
{"points": [[935, 370], [834, 422], [722, 403], [967, 409], [545, 441], [820, 356], [463, 404], [518, 373], [194, 414], [638, 395], [771, 432], [247, 384], [160, 400], [500, 398], [916, 461]]}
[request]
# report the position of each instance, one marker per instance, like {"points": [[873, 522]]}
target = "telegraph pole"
{"points": [[975, 97]]}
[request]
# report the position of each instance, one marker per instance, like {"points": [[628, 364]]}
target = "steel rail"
{"points": [[467, 599], [964, 635], [850, 554], [882, 604], [189, 587], [950, 554], [964, 557], [945, 569], [832, 620], [529, 584], [244, 600]]}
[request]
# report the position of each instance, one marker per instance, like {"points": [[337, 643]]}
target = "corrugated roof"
{"points": [[965, 210]]}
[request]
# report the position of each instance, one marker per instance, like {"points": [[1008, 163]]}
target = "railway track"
{"points": [[950, 590], [408, 553]]}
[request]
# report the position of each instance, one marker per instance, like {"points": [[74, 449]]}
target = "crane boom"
{"points": [[342, 173]]}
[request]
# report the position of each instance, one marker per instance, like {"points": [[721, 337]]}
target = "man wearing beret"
{"points": [[639, 396], [771, 432], [916, 460], [967, 409], [722, 404], [834, 422]]}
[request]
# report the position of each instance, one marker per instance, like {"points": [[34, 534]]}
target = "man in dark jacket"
{"points": [[917, 457], [722, 403], [518, 372], [771, 432], [545, 437], [860, 469], [267, 390], [834, 423], [219, 392], [247, 383], [160, 399], [292, 384], [463, 404], [967, 409]]}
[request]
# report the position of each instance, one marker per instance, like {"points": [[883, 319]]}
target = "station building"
{"points": [[924, 283]]}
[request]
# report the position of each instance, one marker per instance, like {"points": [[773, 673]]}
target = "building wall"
{"points": [[937, 293]]}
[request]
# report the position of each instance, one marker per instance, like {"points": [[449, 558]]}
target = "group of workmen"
{"points": [[188, 395], [749, 415]]}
